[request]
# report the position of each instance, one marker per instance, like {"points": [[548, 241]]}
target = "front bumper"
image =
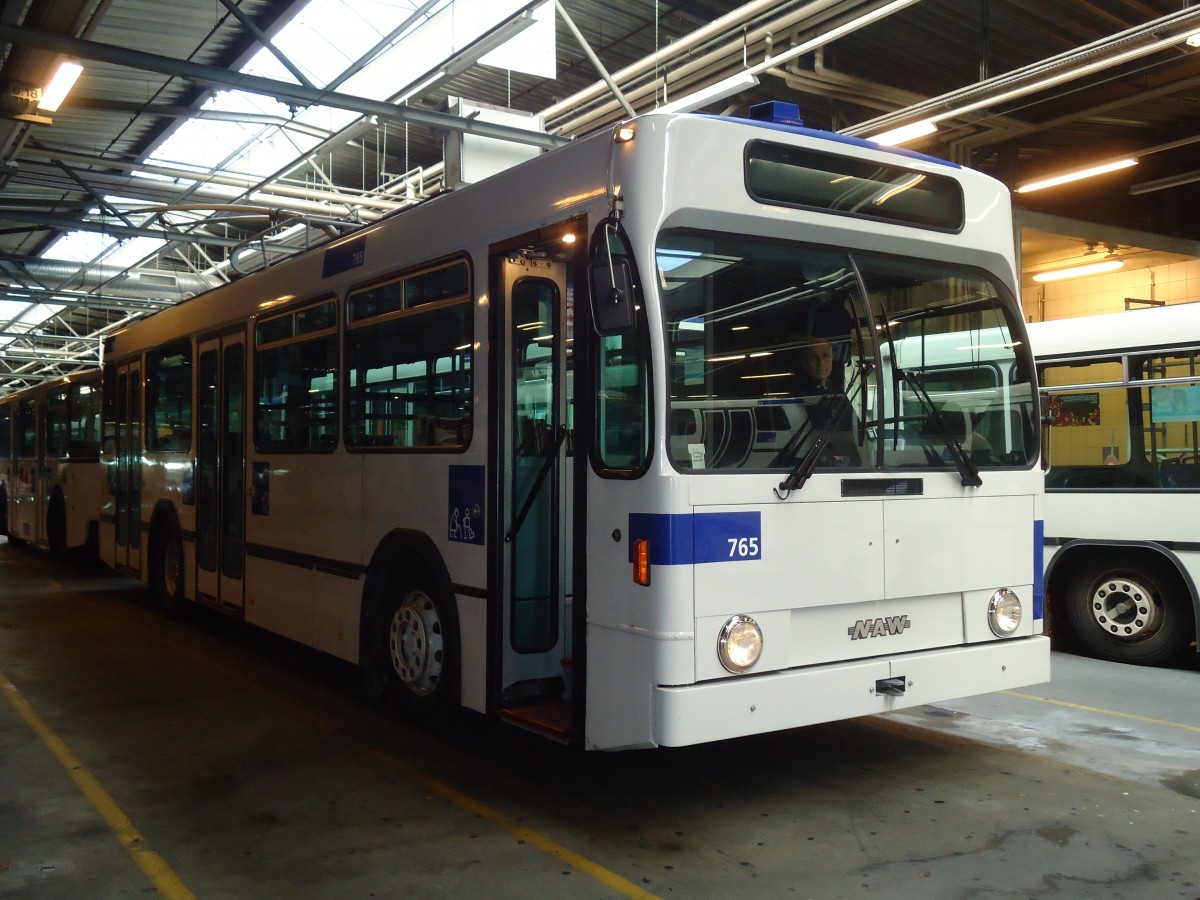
{"points": [[754, 704]]}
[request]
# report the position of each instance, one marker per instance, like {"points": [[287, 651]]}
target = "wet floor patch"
{"points": [[1186, 783]]}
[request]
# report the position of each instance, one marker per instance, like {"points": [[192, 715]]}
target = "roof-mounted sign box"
{"points": [[20, 101]]}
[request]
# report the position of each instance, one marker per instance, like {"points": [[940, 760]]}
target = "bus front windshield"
{"points": [[781, 354]]}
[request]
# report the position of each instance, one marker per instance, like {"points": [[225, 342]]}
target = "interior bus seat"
{"points": [[1180, 472], [1076, 477]]}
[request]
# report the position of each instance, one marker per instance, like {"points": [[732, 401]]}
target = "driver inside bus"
{"points": [[819, 381], [816, 366], [820, 387]]}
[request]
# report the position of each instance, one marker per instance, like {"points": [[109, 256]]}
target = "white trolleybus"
{"points": [[1122, 533], [51, 479], [630, 444]]}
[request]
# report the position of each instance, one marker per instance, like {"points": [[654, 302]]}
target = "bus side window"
{"points": [[410, 379], [296, 381]]}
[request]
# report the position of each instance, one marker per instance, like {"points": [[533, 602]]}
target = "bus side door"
{"points": [[128, 411], [221, 472], [535, 480], [28, 474]]}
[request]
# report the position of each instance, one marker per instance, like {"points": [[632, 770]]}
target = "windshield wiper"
{"points": [[966, 469], [836, 405]]}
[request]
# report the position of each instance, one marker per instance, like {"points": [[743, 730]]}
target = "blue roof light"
{"points": [[778, 112]]}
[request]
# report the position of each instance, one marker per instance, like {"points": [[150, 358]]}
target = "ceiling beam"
{"points": [[66, 223], [98, 302], [38, 337], [280, 90]]}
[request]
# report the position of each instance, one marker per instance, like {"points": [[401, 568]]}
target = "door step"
{"points": [[551, 718]]}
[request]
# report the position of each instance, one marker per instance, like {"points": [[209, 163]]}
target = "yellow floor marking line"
{"points": [[622, 886], [1107, 712], [153, 865]]}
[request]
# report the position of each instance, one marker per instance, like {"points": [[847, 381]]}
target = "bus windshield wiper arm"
{"points": [[966, 469], [804, 468]]}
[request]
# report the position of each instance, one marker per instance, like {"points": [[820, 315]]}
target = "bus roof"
{"points": [[1135, 329]]}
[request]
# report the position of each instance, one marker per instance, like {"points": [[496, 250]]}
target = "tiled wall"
{"points": [[1095, 294]]}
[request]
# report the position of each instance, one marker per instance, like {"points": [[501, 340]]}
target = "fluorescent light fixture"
{"points": [[1076, 175], [905, 133], [426, 82], [60, 85], [726, 87], [1107, 265]]}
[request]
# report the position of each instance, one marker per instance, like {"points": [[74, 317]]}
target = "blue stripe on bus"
{"points": [[1039, 557], [693, 538]]}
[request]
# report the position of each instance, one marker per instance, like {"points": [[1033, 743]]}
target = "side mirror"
{"points": [[611, 282], [1047, 430]]}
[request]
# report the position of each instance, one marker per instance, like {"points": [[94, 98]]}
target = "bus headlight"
{"points": [[1004, 612], [740, 644]]}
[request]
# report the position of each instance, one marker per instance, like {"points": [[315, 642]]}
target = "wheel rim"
{"points": [[415, 643], [172, 568], [1125, 608]]}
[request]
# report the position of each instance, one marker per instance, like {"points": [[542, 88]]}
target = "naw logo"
{"points": [[870, 628]]}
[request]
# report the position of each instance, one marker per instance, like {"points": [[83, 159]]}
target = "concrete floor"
{"points": [[204, 759]]}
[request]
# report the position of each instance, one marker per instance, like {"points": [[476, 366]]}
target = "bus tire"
{"points": [[1129, 608], [56, 527], [418, 648], [166, 567]]}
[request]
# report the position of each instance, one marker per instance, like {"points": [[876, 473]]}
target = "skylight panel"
{"points": [[10, 309], [79, 246], [324, 40], [39, 313], [421, 53], [134, 251]]}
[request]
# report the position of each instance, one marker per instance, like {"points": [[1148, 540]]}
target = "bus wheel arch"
{"points": [[1125, 603], [409, 647], [165, 565]]}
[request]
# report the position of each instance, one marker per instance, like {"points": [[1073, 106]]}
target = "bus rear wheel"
{"points": [[1128, 609]]}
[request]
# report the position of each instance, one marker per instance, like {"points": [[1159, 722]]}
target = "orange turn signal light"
{"points": [[641, 562]]}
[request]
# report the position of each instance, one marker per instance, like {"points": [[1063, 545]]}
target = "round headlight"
{"points": [[740, 644], [1004, 612]]}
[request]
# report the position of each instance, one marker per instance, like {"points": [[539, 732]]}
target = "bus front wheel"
{"points": [[1128, 609], [420, 650], [56, 528], [167, 572]]}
